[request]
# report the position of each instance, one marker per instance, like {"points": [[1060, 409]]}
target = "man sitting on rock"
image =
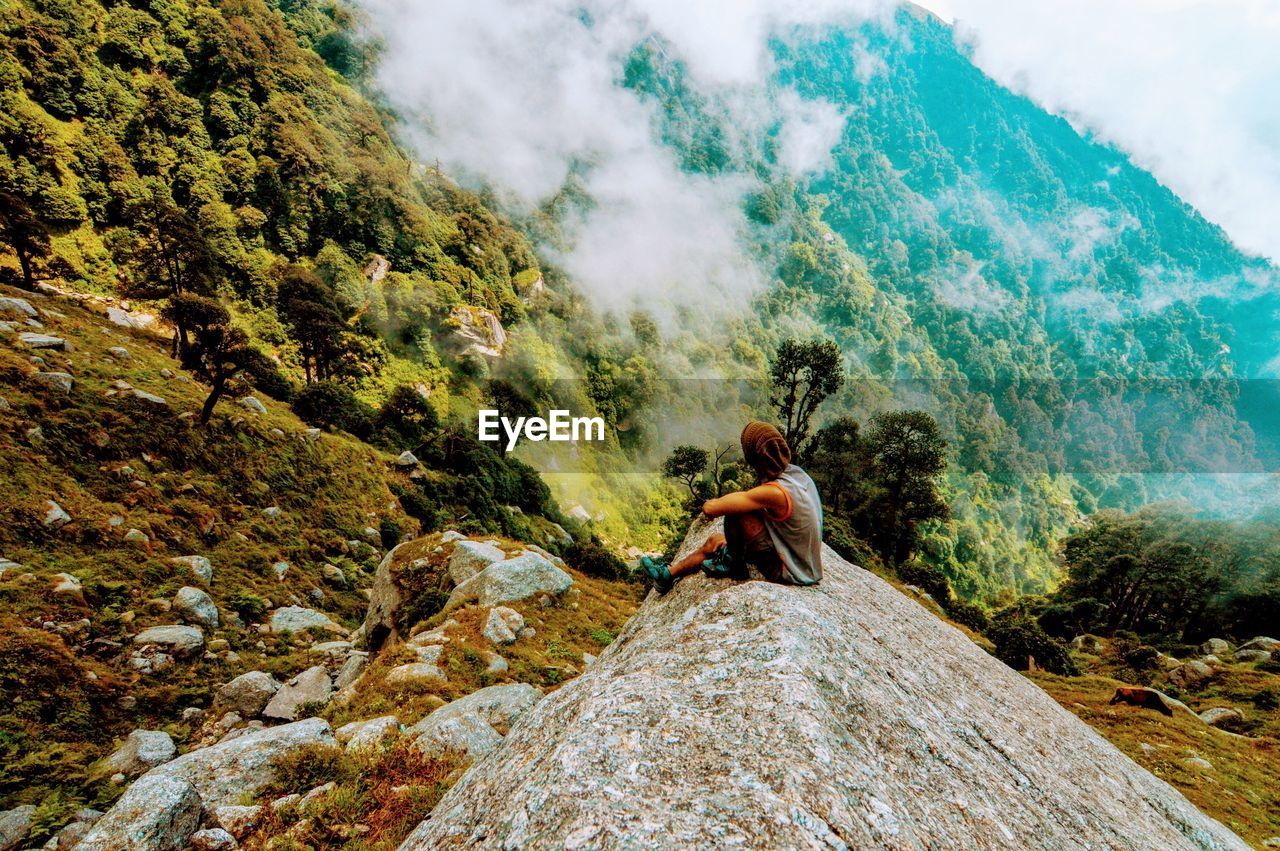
{"points": [[775, 526]]}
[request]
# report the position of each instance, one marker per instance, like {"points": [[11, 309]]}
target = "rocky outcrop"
{"points": [[511, 581], [478, 331], [312, 686], [841, 716], [157, 813]]}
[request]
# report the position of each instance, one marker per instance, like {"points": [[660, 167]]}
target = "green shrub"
{"points": [[330, 405], [1019, 639], [304, 768], [249, 606], [970, 614], [927, 577], [594, 559]]}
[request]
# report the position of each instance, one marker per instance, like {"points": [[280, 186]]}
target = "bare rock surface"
{"points": [[157, 813], [226, 772], [512, 580], [840, 716]]}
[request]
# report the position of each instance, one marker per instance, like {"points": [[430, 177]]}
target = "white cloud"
{"points": [[1186, 87], [518, 95]]}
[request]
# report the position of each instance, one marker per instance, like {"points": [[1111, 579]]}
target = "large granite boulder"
{"points": [[843, 715], [141, 751], [249, 693], [176, 640], [298, 619], [226, 772], [312, 687], [470, 557], [157, 813], [473, 725], [512, 580]]}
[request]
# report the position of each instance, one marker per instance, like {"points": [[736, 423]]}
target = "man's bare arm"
{"points": [[761, 498]]}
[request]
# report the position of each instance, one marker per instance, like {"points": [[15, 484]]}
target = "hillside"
{"points": [[746, 713], [1079, 331], [180, 557]]}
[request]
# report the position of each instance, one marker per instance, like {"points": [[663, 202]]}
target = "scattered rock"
{"points": [[512, 580], [60, 381], [120, 353], [479, 331], [471, 557], [473, 725], [316, 794], [66, 585], [1270, 645], [271, 512], [42, 341], [1215, 647], [1252, 656], [334, 575], [15, 824], [1088, 644], [580, 514], [1199, 762], [248, 694], [250, 403], [280, 568], [238, 821], [176, 639], [1190, 675], [55, 516], [384, 603], [19, 306], [312, 686], [496, 664], [366, 734], [212, 839], [125, 319], [406, 459], [503, 625], [1220, 715], [416, 672], [150, 398], [141, 751], [351, 669], [136, 536], [158, 812], [297, 619], [451, 535], [225, 772], [195, 607]]}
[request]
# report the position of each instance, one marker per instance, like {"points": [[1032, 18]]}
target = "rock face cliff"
{"points": [[846, 715]]}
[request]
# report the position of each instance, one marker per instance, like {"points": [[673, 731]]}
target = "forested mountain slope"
{"points": [[1079, 330]]}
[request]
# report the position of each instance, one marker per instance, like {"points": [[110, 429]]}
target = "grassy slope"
{"points": [[1241, 790], [192, 491]]}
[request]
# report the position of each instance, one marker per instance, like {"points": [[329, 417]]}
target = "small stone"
{"points": [[60, 381], [406, 459], [471, 557], [1219, 715], [503, 625], [316, 794], [334, 575], [150, 398], [119, 353], [42, 341], [416, 672], [1199, 762], [497, 664], [200, 566], [297, 619], [55, 516], [196, 607], [136, 536], [250, 403], [212, 839], [236, 820], [280, 568], [271, 512], [175, 639]]}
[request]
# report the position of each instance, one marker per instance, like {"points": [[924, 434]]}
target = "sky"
{"points": [[1190, 89]]}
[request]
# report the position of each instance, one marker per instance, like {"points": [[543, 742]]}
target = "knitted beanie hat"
{"points": [[765, 449]]}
